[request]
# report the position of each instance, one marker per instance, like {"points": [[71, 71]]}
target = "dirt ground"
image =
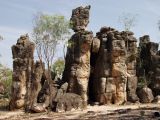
{"points": [[111, 112]]}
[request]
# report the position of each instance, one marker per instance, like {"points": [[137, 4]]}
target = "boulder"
{"points": [[68, 102], [145, 95]]}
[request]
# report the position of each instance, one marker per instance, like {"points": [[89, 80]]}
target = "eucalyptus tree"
{"points": [[48, 32]]}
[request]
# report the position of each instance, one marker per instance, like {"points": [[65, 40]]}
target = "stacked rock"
{"points": [[119, 68], [131, 48], [110, 75], [115, 65], [77, 66], [23, 63], [155, 82], [143, 63], [149, 64], [80, 18], [103, 84]]}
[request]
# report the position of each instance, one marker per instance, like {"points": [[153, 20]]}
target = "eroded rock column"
{"points": [[115, 65], [22, 68], [119, 68], [77, 66], [131, 62]]}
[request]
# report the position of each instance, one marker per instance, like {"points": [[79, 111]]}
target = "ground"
{"points": [[103, 112]]}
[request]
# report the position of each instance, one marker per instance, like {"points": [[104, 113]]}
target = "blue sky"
{"points": [[17, 16]]}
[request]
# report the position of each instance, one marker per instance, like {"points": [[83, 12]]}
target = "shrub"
{"points": [[6, 80]]}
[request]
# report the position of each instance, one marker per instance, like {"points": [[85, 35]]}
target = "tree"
{"points": [[128, 20], [6, 79], [48, 32], [58, 66]]}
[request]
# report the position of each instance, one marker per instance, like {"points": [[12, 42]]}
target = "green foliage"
{"points": [[48, 32], [53, 25], [141, 82], [6, 80], [58, 66]]}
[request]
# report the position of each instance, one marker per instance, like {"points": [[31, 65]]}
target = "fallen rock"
{"points": [[145, 95], [38, 108], [68, 102]]}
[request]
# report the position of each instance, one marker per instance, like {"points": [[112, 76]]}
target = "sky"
{"points": [[17, 18]]}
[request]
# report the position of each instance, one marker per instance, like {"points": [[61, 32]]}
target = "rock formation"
{"points": [[115, 67], [77, 69], [23, 64], [149, 64], [30, 87], [60, 100], [131, 62], [104, 69]]}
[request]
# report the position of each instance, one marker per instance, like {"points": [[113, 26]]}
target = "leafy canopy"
{"points": [[48, 31], [58, 66]]}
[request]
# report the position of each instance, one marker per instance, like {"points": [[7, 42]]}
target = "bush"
{"points": [[6, 80], [58, 67]]}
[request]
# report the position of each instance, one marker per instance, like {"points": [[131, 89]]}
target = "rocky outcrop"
{"points": [[60, 100], [149, 63], [80, 18], [77, 66], [115, 67], [131, 62], [104, 69], [23, 64], [36, 87]]}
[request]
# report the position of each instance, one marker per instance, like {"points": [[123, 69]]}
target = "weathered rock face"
{"points": [[131, 48], [36, 87], [80, 18], [149, 63], [22, 68], [77, 69], [115, 67], [78, 57], [145, 95], [61, 101], [104, 68], [154, 73]]}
